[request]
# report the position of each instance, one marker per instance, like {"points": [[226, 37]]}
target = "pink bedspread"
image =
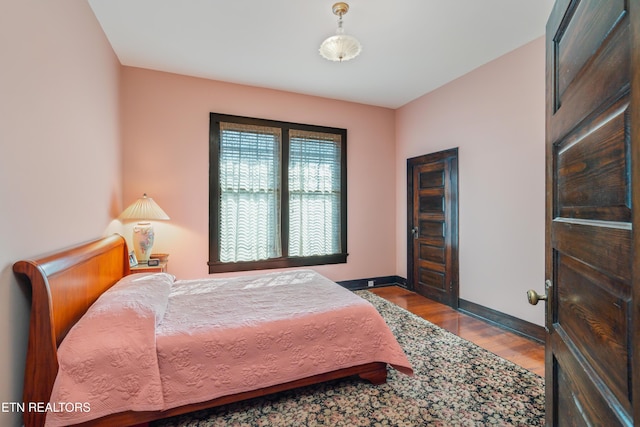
{"points": [[218, 337]]}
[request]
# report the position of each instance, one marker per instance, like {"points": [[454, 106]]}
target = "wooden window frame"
{"points": [[284, 261]]}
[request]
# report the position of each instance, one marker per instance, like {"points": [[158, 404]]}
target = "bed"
{"points": [[66, 290]]}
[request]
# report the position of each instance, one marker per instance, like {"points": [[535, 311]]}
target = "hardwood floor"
{"points": [[519, 350]]}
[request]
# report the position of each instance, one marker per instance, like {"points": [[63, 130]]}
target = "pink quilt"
{"points": [[216, 337]]}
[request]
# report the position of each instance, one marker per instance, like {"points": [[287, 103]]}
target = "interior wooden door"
{"points": [[593, 139], [432, 182]]}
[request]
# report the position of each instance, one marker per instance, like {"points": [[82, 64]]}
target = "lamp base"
{"points": [[143, 237]]}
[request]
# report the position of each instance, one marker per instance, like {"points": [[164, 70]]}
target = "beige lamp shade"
{"points": [[143, 210]]}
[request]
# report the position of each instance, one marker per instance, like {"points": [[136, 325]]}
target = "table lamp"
{"points": [[143, 210]]}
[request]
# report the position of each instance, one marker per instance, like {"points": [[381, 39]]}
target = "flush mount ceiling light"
{"points": [[340, 47]]}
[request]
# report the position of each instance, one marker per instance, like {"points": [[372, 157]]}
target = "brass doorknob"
{"points": [[534, 297]]}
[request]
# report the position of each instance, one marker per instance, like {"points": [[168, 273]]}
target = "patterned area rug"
{"points": [[456, 383]]}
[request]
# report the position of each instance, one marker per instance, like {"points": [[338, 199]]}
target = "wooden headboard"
{"points": [[63, 285]]}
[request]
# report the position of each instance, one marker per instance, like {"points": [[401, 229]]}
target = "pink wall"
{"points": [[59, 151], [79, 135], [496, 116], [166, 154]]}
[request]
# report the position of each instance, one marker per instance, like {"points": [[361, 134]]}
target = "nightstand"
{"points": [[144, 268]]}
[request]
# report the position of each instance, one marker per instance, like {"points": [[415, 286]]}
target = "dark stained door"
{"points": [[432, 182], [592, 263]]}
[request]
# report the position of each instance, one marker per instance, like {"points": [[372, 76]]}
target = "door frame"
{"points": [[451, 218]]}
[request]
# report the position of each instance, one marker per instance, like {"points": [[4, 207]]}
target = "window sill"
{"points": [[226, 267]]}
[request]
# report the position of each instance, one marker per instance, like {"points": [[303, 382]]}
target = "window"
{"points": [[277, 194]]}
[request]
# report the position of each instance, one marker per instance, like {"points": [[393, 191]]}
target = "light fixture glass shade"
{"points": [[340, 47], [143, 210]]}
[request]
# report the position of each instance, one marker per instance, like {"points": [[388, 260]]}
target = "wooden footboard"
{"points": [[64, 285], [374, 372]]}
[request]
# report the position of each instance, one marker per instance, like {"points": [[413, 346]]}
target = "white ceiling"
{"points": [[410, 47]]}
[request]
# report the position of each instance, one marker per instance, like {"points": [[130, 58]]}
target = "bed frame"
{"points": [[64, 285]]}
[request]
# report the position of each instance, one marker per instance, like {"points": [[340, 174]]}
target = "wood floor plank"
{"points": [[519, 350]]}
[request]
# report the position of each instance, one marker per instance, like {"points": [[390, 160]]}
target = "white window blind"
{"points": [[314, 193], [249, 209]]}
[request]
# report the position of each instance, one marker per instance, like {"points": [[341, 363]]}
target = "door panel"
{"points": [[432, 254], [576, 46], [431, 233], [593, 169], [432, 206], [432, 179], [599, 79], [599, 333], [431, 202], [579, 398], [606, 248], [591, 246]]}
